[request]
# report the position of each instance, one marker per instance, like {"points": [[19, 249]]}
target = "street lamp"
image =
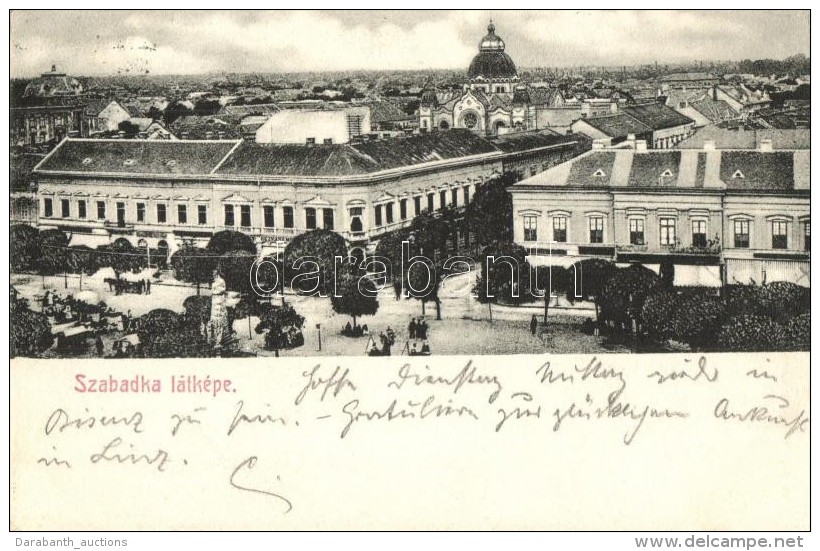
{"points": [[319, 331]]}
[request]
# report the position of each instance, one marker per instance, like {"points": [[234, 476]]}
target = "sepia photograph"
{"points": [[528, 201], [261, 224]]}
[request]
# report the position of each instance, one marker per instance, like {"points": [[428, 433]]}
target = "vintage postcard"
{"points": [[412, 270]]}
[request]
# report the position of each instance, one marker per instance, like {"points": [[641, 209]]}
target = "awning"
{"points": [[76, 330], [697, 276], [654, 267], [89, 239], [561, 261]]}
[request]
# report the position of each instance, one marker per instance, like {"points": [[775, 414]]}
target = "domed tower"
{"points": [[492, 71]]}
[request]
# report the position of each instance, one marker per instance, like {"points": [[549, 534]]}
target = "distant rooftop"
{"points": [[747, 139]]}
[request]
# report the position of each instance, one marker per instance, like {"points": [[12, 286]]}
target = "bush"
{"points": [[798, 331], [166, 334], [749, 333], [30, 332]]}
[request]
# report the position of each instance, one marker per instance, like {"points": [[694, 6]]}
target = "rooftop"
{"points": [[732, 170], [136, 156], [657, 116], [354, 158], [617, 126]]}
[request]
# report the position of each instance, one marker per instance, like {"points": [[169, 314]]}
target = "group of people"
{"points": [[387, 339], [120, 286], [418, 329], [355, 331]]}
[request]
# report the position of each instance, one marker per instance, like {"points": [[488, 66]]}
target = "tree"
{"points": [[194, 265], [52, 245], [235, 267], [625, 292], [81, 260], [489, 215], [122, 257], [24, 247], [30, 332], [320, 246], [207, 107], [430, 231], [174, 111], [549, 280], [423, 284], [276, 320], [166, 334], [587, 279], [229, 240], [390, 248], [129, 128], [357, 297], [269, 276], [507, 277]]}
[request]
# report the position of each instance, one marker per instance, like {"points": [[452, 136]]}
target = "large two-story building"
{"points": [[163, 194], [717, 216]]}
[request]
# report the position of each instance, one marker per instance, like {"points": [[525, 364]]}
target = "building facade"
{"points": [[717, 216], [32, 126], [164, 194]]}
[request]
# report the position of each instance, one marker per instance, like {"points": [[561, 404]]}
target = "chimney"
{"points": [[709, 145], [640, 145], [766, 144]]}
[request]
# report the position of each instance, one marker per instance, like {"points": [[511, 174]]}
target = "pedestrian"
{"points": [[148, 286], [412, 328], [533, 324], [99, 345], [397, 288], [423, 329], [143, 287]]}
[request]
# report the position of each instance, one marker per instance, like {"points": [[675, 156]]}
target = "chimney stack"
{"points": [[640, 145], [766, 144]]}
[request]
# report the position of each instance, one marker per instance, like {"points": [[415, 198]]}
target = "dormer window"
{"points": [[737, 174], [129, 162], [171, 163], [87, 161], [599, 173], [667, 174]]}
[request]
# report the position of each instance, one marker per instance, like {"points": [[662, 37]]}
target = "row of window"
{"points": [[559, 229], [668, 231], [384, 214], [230, 214]]}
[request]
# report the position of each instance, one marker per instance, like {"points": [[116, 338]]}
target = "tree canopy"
{"points": [[194, 265], [229, 240], [322, 247], [356, 297], [490, 215], [24, 247]]}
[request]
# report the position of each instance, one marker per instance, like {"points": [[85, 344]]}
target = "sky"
{"points": [[86, 43]]}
